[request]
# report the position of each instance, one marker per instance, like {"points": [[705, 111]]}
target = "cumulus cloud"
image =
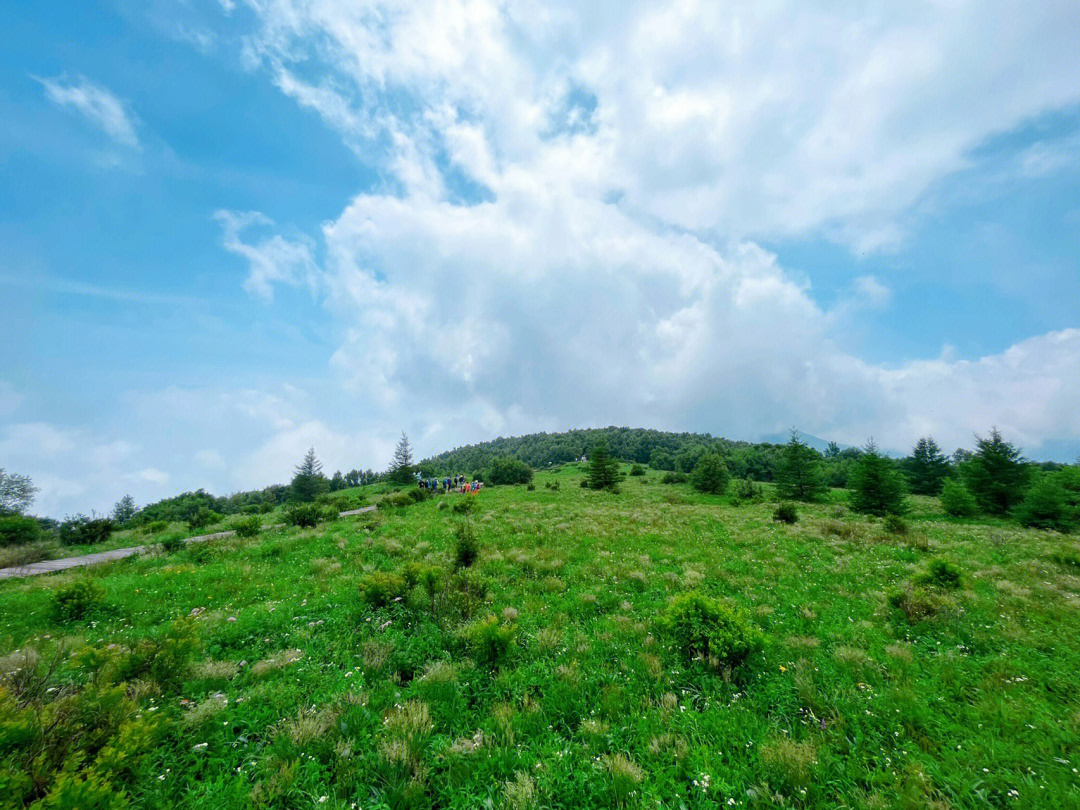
{"points": [[97, 104], [271, 259]]}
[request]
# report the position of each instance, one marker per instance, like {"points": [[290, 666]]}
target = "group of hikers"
{"points": [[456, 483]]}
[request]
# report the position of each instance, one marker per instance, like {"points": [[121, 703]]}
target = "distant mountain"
{"points": [[816, 442]]}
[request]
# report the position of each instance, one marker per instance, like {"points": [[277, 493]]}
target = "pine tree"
{"points": [[997, 474], [710, 475], [309, 481], [876, 486], [926, 468], [798, 477], [956, 500], [603, 469], [401, 468], [124, 510]]}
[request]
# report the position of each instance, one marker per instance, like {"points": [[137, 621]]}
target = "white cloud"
{"points": [[272, 259], [10, 398], [97, 104], [153, 475], [211, 459]]}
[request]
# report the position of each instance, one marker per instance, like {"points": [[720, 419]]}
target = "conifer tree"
{"points": [[603, 469], [997, 474], [710, 475], [124, 510], [798, 477], [926, 468], [309, 481], [876, 485], [401, 468]]}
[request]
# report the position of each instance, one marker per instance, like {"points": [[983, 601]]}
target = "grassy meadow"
{"points": [[251, 673]]}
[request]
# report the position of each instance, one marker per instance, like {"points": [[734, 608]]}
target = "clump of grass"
{"points": [[843, 529], [276, 661], [490, 641], [895, 525], [791, 764], [519, 793], [625, 775], [381, 588], [941, 574], [466, 546], [77, 600]]}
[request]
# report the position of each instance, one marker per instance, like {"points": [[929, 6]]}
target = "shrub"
{"points": [[248, 527], [530, 486], [83, 530], [894, 524], [509, 470], [674, 478], [919, 604], [1045, 506], [746, 490], [637, 469], [27, 553], [77, 600], [490, 642], [381, 588], [957, 500], [786, 513], [552, 485], [155, 527], [710, 475], [304, 515], [171, 543], [941, 574], [466, 506], [875, 484], [17, 530], [202, 517], [466, 546], [700, 627]]}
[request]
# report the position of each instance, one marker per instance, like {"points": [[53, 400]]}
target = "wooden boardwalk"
{"points": [[48, 566]]}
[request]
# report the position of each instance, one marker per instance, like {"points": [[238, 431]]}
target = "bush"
{"points": [[530, 486], [1045, 506], [956, 500], [674, 478], [466, 546], [155, 527], [746, 490], [27, 553], [304, 515], [894, 524], [248, 527], [919, 604], [466, 506], [381, 588], [82, 530], [941, 574], [509, 470], [77, 600], [172, 543], [17, 530], [710, 475], [491, 642], [786, 513], [876, 485], [552, 485], [702, 628], [202, 517], [637, 469]]}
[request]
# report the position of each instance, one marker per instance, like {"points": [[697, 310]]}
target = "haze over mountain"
{"points": [[234, 230]]}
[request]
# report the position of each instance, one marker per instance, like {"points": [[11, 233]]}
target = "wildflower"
{"points": [[199, 746]]}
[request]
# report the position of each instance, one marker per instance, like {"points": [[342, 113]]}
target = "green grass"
{"points": [[298, 691]]}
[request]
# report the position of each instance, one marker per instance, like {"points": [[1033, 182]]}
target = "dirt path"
{"points": [[48, 566]]}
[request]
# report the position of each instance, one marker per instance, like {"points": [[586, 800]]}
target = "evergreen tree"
{"points": [[926, 468], [124, 510], [832, 451], [337, 482], [997, 474], [1045, 506], [401, 468], [798, 477], [956, 500], [309, 481], [876, 486], [603, 469], [710, 475]]}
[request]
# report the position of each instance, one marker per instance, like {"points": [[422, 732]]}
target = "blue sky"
{"points": [[232, 230]]}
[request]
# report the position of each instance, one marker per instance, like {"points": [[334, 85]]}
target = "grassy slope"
{"points": [[849, 704]]}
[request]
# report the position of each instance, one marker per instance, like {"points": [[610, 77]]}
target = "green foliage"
{"points": [[747, 490], [674, 478], [155, 527], [509, 470], [248, 527], [957, 500], [490, 642], [662, 460], [382, 588], [876, 486], [124, 510], [17, 530], [702, 628], [82, 530], [202, 518], [172, 543], [637, 470], [926, 468], [786, 513], [401, 468], [16, 492], [603, 469], [798, 478], [304, 515], [466, 506], [77, 600], [996, 475], [894, 524], [466, 545], [1046, 506], [710, 475], [941, 574], [308, 480]]}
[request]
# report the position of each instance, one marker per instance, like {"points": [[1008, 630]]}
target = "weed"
{"points": [[786, 513]]}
